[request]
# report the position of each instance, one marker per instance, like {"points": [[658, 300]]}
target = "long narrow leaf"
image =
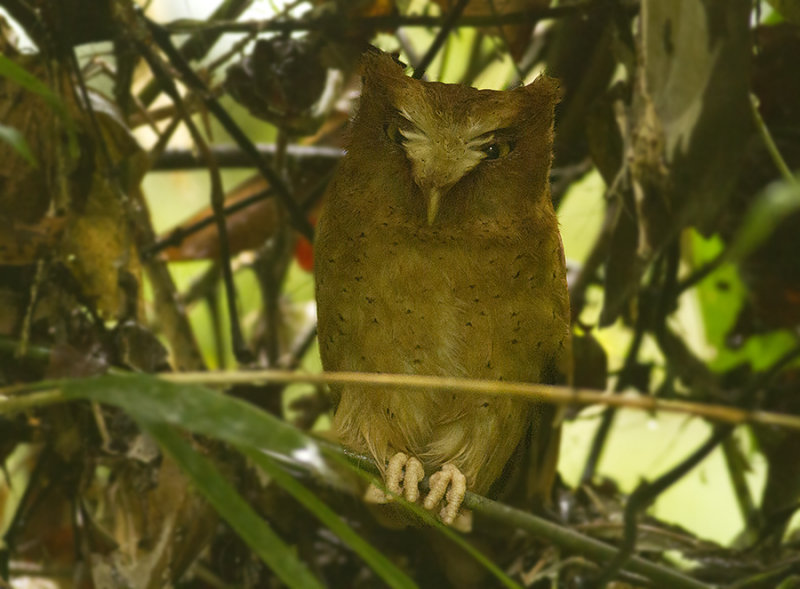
{"points": [[229, 504], [204, 411], [393, 576], [16, 140], [255, 432], [18, 74]]}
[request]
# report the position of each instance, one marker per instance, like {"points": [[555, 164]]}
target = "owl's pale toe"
{"points": [[450, 484], [403, 475]]}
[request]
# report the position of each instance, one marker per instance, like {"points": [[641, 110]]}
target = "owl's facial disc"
{"points": [[442, 152]]}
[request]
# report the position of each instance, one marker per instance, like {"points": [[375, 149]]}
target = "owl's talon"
{"points": [[450, 484], [403, 475]]}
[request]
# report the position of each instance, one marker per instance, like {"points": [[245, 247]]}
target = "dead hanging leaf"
{"points": [[98, 246], [697, 74], [689, 118], [157, 522], [67, 209], [280, 81]]}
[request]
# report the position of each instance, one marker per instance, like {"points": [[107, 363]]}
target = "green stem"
{"points": [[769, 142]]}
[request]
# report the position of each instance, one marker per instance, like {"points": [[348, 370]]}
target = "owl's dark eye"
{"points": [[393, 133], [498, 149]]}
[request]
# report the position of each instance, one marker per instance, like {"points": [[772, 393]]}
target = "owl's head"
{"points": [[450, 135]]}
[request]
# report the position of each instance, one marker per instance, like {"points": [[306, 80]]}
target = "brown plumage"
{"points": [[438, 253]]}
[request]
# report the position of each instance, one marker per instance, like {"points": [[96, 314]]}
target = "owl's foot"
{"points": [[449, 484], [403, 475]]}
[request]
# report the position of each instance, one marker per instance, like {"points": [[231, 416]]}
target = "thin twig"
{"points": [[536, 392], [770, 144], [597, 256], [647, 492], [575, 542], [333, 23], [737, 466], [559, 395], [231, 156], [198, 45], [441, 37], [177, 235], [702, 272]]}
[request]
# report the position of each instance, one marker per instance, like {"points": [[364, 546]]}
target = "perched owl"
{"points": [[438, 253]]}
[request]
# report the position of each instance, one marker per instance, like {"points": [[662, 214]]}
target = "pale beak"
{"points": [[434, 197]]}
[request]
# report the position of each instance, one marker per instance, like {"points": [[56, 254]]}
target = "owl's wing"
{"points": [[528, 477], [545, 433], [543, 442]]}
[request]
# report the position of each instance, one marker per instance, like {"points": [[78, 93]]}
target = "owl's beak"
{"points": [[434, 197]]}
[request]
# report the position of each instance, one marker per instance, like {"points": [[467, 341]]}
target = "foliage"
{"points": [[674, 175]]}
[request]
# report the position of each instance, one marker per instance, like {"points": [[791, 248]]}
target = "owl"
{"points": [[438, 253]]}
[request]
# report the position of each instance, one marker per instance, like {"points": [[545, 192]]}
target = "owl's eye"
{"points": [[393, 133], [498, 149]]}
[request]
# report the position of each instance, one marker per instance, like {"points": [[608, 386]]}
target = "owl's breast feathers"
{"points": [[484, 304]]}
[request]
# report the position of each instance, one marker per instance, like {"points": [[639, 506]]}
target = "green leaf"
{"points": [[14, 138], [788, 9], [15, 72], [154, 402], [721, 296], [204, 411], [230, 505], [377, 561], [773, 205]]}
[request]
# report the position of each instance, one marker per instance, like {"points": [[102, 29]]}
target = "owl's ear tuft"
{"points": [[546, 88], [376, 63]]}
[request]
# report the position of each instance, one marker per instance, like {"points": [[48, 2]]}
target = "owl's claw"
{"points": [[403, 475], [448, 483]]}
